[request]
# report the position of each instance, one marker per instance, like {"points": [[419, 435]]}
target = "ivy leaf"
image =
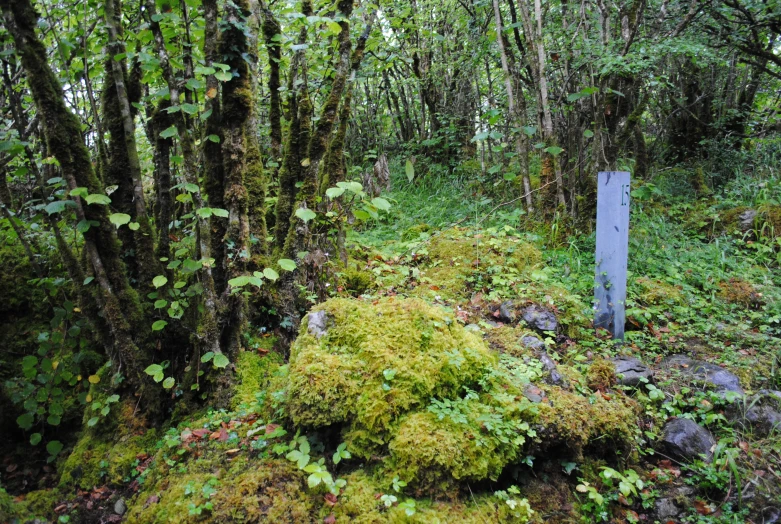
{"points": [[169, 132], [102, 200], [54, 447], [381, 203], [286, 264], [119, 219], [305, 214], [221, 361]]}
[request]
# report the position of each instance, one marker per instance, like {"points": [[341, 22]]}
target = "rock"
{"points": [[120, 507], [666, 509], [761, 412], [554, 377], [718, 377], [532, 342], [631, 371], [771, 515], [685, 439], [540, 318], [507, 312], [472, 327], [533, 393], [746, 220], [318, 323]]}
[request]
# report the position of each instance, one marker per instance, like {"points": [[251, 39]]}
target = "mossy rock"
{"points": [[356, 281], [655, 292], [33, 505], [378, 361]]}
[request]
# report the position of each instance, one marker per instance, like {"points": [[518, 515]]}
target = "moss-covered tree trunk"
{"points": [[121, 308]]}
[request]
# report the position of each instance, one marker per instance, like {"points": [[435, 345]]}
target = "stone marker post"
{"points": [[612, 250]]}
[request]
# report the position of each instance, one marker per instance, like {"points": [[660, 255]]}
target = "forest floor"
{"points": [[456, 377]]}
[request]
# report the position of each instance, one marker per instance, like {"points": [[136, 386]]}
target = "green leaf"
{"points": [[25, 421], [221, 361], [153, 369], [35, 438], [55, 207], [201, 70], [270, 274], [223, 76], [529, 130], [119, 219], [222, 213], [305, 214], [159, 281], [158, 325], [334, 28], [334, 192], [159, 304], [192, 188], [588, 133], [102, 200], [133, 226], [214, 138], [286, 264], [169, 132], [410, 170], [190, 109], [207, 357], [79, 192], [53, 420], [381, 203], [553, 150], [239, 281], [169, 383], [54, 447], [91, 422]]}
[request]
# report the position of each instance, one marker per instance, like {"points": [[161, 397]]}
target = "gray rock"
{"points": [[554, 377], [540, 318], [746, 220], [120, 507], [507, 312], [685, 439], [771, 515], [762, 412], [318, 323], [532, 342], [533, 393], [666, 509], [716, 376], [631, 371]]}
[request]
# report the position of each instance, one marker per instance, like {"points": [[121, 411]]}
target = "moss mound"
{"points": [[377, 362]]}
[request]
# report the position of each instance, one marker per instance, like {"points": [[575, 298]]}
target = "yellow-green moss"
{"points": [[656, 292], [414, 232], [253, 374], [356, 281], [577, 421], [37, 504], [740, 292], [378, 361], [601, 375]]}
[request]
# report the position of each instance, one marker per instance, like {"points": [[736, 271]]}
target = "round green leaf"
{"points": [[25, 421], [35, 438], [169, 383], [270, 274], [220, 360], [158, 325], [287, 264], [54, 447], [119, 219], [159, 281], [305, 214]]}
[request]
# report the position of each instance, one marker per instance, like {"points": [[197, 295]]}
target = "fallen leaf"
{"points": [[233, 451], [61, 508], [153, 499], [743, 446], [223, 435], [200, 433], [330, 519], [270, 428], [330, 499], [702, 507]]}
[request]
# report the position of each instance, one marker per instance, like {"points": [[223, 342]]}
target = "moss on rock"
{"points": [[377, 362], [253, 375]]}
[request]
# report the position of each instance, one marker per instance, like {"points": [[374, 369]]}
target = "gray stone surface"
{"points": [[687, 440], [540, 318], [716, 376], [532, 342], [761, 412], [554, 377], [507, 312], [746, 220], [318, 322], [631, 371], [665, 508], [120, 507]]}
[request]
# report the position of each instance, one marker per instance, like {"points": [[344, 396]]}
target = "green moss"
{"points": [[576, 421], [601, 375], [414, 232], [378, 362], [37, 504], [656, 292], [356, 281], [253, 374]]}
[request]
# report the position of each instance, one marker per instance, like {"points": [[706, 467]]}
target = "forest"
{"points": [[302, 261]]}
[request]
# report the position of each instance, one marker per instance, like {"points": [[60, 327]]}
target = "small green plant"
{"points": [[519, 507]]}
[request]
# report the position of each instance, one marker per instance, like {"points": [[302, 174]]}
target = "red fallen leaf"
{"points": [[702, 507], [760, 472], [270, 428], [757, 452], [201, 432], [61, 508], [153, 499], [434, 288], [262, 351], [622, 500], [330, 499], [330, 519], [186, 435], [212, 92], [134, 486], [743, 446], [90, 505], [377, 496], [223, 435], [215, 435], [664, 330]]}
